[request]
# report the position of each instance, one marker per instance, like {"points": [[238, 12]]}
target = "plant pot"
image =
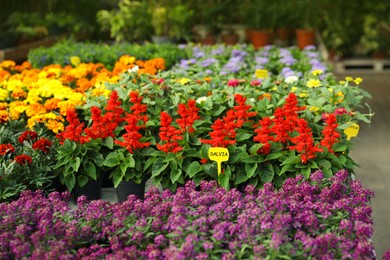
{"points": [[261, 38], [230, 39], [92, 190], [126, 188], [380, 54], [305, 37], [208, 40], [56, 185], [248, 35], [106, 181]]}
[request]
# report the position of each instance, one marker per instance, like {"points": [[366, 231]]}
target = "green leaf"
{"points": [[218, 111], [250, 169], [243, 136], [70, 181], [90, 169], [129, 161], [254, 148], [82, 180], [76, 164], [241, 177], [292, 160], [175, 175], [306, 172], [267, 173], [287, 168], [223, 180], [273, 156], [149, 162], [158, 167], [109, 142], [169, 157], [253, 159], [117, 177], [324, 164], [193, 169], [111, 160]]}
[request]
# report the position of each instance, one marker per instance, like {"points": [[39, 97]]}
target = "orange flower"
{"points": [[35, 109], [4, 117], [265, 95], [3, 106], [8, 64], [4, 75], [18, 93], [52, 103], [83, 85]]}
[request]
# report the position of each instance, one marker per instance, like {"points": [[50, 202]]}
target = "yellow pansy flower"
{"points": [[313, 83]]}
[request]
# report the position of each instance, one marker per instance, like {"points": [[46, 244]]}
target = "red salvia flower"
{"points": [[169, 135], [6, 148], [23, 159], [43, 144], [264, 135], [131, 140], [27, 135], [104, 126], [241, 110], [220, 136], [304, 142], [188, 114], [331, 136], [74, 131], [138, 109]]}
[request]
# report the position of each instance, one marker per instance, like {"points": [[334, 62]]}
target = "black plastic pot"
{"points": [[126, 188], [92, 190]]}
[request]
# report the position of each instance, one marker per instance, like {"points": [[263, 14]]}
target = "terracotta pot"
{"points": [[380, 54], [230, 39], [261, 38], [305, 37], [283, 34], [208, 40], [248, 34]]}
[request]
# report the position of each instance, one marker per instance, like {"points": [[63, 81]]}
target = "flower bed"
{"points": [[322, 218]]}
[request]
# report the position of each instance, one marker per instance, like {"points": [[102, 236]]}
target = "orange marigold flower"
{"points": [[265, 95], [4, 75], [35, 109], [7, 64], [4, 116], [3, 106], [83, 85], [54, 126], [52, 104], [18, 93]]}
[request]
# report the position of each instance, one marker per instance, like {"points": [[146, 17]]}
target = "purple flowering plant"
{"points": [[325, 218]]}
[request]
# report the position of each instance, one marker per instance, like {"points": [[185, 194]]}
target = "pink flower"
{"points": [[255, 82], [233, 82]]}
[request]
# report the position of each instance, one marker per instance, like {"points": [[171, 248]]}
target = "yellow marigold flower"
{"points": [[358, 80], [338, 98], [3, 106], [54, 71], [55, 126], [184, 81], [75, 61], [261, 74], [64, 106], [13, 83], [348, 78], [293, 89], [313, 83], [18, 93], [316, 72], [7, 64], [35, 109], [3, 94], [4, 116]]}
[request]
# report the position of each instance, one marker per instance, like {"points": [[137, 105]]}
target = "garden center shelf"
{"points": [[361, 65]]}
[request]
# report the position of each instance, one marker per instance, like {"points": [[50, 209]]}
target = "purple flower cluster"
{"points": [[321, 218]]}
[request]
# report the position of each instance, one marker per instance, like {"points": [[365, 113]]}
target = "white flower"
{"points": [[291, 79], [133, 69], [252, 100], [201, 100]]}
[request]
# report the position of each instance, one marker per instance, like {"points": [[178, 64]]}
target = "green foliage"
{"points": [[106, 54]]}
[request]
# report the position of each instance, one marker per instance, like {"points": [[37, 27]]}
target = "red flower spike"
{"points": [[331, 136], [169, 135]]}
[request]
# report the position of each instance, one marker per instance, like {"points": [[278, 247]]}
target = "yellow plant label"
{"points": [[219, 155], [352, 131], [261, 74]]}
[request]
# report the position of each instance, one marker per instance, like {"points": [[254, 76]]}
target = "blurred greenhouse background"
{"points": [[347, 28]]}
